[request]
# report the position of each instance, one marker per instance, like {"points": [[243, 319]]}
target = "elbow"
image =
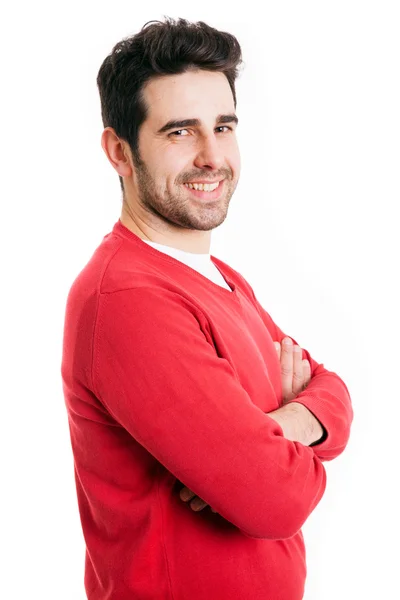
{"points": [[281, 528], [286, 516]]}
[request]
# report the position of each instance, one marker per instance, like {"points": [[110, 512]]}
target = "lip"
{"points": [[206, 195], [205, 181]]}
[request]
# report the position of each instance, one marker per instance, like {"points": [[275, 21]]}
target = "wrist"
{"points": [[298, 423], [315, 430]]}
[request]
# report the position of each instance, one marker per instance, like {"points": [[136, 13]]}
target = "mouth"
{"points": [[206, 195]]}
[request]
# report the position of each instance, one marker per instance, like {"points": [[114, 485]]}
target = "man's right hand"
{"points": [[297, 422], [295, 372]]}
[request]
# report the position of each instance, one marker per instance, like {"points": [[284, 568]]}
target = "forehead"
{"points": [[195, 93]]}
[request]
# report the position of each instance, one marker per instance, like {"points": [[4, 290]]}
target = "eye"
{"points": [[173, 133]]}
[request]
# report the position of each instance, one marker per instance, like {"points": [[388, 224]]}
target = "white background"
{"points": [[313, 226]]}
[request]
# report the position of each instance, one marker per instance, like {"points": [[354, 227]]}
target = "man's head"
{"points": [[172, 71]]}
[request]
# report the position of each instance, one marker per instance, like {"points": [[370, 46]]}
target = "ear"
{"points": [[116, 151]]}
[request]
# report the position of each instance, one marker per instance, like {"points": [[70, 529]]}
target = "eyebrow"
{"points": [[177, 124]]}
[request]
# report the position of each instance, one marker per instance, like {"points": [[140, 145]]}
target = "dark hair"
{"points": [[163, 48]]}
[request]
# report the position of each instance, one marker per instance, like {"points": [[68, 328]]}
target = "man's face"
{"points": [[207, 151]]}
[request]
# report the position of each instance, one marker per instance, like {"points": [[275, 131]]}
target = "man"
{"points": [[176, 384]]}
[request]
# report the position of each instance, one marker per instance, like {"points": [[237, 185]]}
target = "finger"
{"points": [[186, 494], [298, 376], [278, 349], [287, 368], [198, 504], [306, 372]]}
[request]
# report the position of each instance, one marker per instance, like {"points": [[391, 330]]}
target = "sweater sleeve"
{"points": [[326, 396], [157, 372]]}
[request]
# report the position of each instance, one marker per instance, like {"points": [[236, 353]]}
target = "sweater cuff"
{"points": [[318, 410], [324, 434]]}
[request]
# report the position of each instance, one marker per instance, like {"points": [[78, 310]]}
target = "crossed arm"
{"points": [[244, 445], [297, 421], [327, 396]]}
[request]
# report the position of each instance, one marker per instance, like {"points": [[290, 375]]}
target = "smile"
{"points": [[212, 191]]}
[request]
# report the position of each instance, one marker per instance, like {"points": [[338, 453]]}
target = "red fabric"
{"points": [[167, 377]]}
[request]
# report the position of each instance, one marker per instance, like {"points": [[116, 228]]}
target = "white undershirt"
{"points": [[200, 262]]}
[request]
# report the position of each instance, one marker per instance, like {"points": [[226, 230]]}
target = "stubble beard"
{"points": [[180, 209]]}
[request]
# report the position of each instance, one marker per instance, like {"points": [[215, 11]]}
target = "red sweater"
{"points": [[167, 377]]}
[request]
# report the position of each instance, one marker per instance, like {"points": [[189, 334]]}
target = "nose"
{"points": [[210, 155]]}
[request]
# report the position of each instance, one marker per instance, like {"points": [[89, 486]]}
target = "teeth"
{"points": [[204, 187]]}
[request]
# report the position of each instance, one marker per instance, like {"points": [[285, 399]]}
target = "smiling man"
{"points": [[177, 382], [178, 190]]}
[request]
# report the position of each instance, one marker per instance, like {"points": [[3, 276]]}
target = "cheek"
{"points": [[173, 169], [233, 159], [236, 160]]}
